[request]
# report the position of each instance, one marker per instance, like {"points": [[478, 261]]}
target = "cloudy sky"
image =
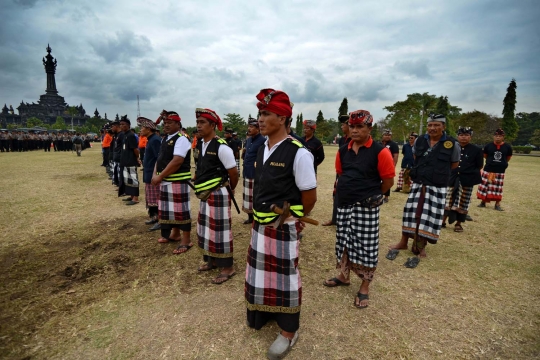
{"points": [[179, 55]]}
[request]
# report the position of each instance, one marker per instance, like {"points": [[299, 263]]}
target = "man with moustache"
{"points": [[284, 172], [216, 178], [436, 154], [172, 172], [463, 179], [497, 155], [254, 141], [366, 171]]}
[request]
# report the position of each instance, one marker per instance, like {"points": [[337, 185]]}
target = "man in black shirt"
{"points": [[497, 155], [394, 150], [129, 159], [313, 144], [118, 138], [462, 180]]}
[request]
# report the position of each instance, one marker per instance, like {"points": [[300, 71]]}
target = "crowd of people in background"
{"points": [[279, 172], [22, 141]]}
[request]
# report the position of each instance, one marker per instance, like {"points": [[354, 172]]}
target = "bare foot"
{"points": [[422, 253]]}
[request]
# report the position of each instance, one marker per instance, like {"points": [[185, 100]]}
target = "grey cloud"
{"points": [[26, 3], [125, 46], [417, 68], [227, 74], [369, 91]]}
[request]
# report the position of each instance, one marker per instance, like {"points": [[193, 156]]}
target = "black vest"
{"points": [[275, 182], [210, 172], [166, 154], [432, 166], [360, 176]]}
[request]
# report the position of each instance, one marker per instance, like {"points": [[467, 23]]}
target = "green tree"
{"points": [[235, 122], [298, 124], [482, 124], [509, 123], [320, 118], [33, 121], [528, 123], [72, 111], [60, 124], [94, 124], [535, 139], [344, 107]]}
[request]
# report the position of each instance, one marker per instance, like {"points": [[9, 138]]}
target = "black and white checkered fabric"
{"points": [[461, 200], [357, 230], [432, 212], [130, 180], [247, 203], [238, 165]]}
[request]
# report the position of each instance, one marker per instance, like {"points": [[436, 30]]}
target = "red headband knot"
{"points": [[360, 117], [275, 101], [209, 115], [168, 115]]}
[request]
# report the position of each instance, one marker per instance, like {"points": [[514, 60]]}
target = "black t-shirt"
{"points": [[496, 157], [392, 146], [129, 143]]}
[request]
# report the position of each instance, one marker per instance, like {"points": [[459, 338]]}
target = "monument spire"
{"points": [[50, 69]]}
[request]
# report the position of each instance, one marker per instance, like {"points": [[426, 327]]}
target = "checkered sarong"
{"points": [[357, 232], [491, 190], [431, 217], [247, 205], [214, 225], [273, 282], [400, 179], [151, 193], [130, 179], [462, 199], [238, 165], [174, 206]]}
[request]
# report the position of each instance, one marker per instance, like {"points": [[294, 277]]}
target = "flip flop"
{"points": [[458, 228], [227, 277], [336, 281], [411, 263], [361, 297], [392, 254], [181, 247]]}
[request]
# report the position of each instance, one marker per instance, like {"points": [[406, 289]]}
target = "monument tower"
{"points": [[50, 69]]}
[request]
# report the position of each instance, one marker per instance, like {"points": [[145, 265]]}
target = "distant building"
{"points": [[49, 106]]}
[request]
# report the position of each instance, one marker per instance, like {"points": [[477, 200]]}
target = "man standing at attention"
{"points": [[172, 173], [497, 155], [394, 150], [435, 155], [313, 144], [216, 178], [153, 144], [406, 164], [463, 179], [284, 172], [367, 171], [254, 141], [129, 159]]}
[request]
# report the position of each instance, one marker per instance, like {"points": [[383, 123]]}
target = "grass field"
{"points": [[81, 278]]}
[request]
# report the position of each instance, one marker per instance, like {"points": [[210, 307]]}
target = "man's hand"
{"points": [[156, 180]]}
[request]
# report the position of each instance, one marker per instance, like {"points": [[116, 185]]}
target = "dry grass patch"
{"points": [[82, 278]]}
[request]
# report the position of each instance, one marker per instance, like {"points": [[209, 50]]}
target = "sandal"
{"points": [[336, 281], [182, 249], [458, 228], [411, 263], [225, 277], [360, 297], [328, 223], [392, 254]]}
